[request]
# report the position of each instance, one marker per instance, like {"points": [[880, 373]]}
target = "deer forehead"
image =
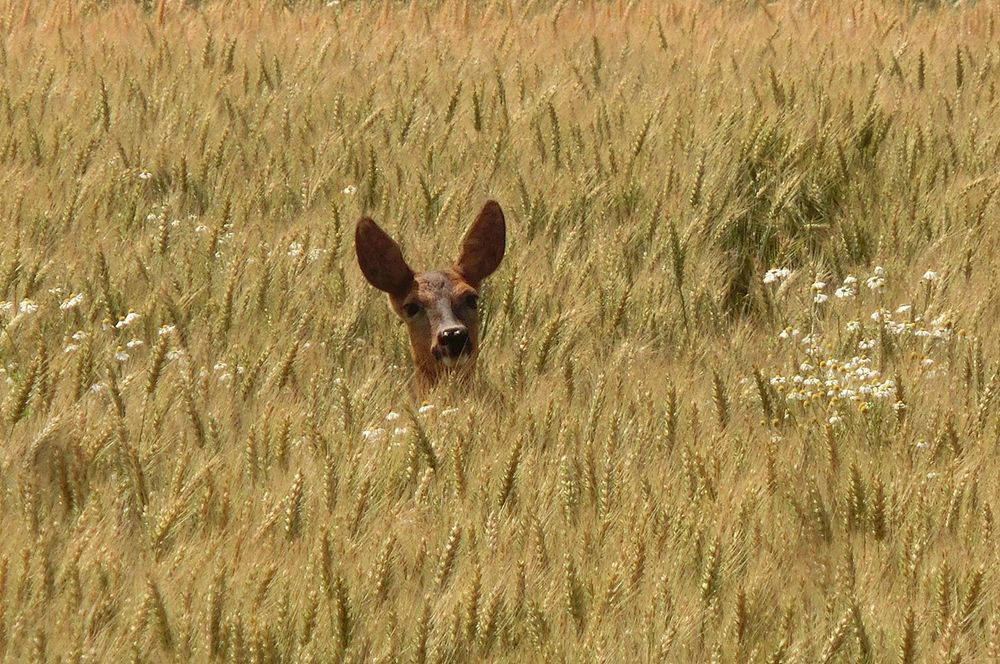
{"points": [[434, 287]]}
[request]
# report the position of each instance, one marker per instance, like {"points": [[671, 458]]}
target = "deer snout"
{"points": [[453, 341]]}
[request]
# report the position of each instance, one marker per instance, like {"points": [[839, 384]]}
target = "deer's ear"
{"points": [[483, 245], [381, 259]]}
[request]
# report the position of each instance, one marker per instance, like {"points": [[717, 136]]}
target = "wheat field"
{"points": [[737, 396]]}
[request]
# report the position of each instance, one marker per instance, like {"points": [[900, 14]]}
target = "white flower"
{"points": [[96, 387], [134, 343], [898, 328], [350, 189], [922, 445], [885, 390], [400, 431], [166, 329], [200, 228], [930, 275], [426, 408], [144, 174], [854, 326], [295, 249], [820, 298], [373, 434], [818, 285], [79, 335], [927, 362], [174, 354], [904, 309], [70, 348], [850, 280], [391, 416], [776, 274], [931, 476], [942, 327], [844, 292], [877, 281], [121, 355], [28, 306], [225, 377], [129, 318], [219, 366], [72, 302], [835, 418]]}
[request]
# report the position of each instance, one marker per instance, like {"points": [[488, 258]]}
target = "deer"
{"points": [[438, 307]]}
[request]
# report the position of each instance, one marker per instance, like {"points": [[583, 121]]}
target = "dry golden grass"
{"points": [[197, 461]]}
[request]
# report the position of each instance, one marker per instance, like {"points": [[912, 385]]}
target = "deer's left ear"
{"points": [[483, 245]]}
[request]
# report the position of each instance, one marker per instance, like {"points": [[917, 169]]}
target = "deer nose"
{"points": [[454, 339]]}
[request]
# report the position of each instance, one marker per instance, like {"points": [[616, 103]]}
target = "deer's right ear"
{"points": [[381, 259]]}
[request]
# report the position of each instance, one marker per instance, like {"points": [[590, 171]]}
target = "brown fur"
{"points": [[442, 299]]}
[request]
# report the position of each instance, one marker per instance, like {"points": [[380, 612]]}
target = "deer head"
{"points": [[438, 307]]}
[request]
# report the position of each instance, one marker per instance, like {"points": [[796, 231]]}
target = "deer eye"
{"points": [[471, 301], [411, 309]]}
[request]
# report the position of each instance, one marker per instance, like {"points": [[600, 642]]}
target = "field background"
{"points": [[197, 462]]}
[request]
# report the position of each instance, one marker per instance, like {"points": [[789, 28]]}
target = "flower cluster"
{"points": [[838, 371], [849, 288], [392, 432], [295, 249], [832, 381], [940, 327]]}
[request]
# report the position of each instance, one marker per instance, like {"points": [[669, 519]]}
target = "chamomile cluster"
{"points": [[833, 382], [839, 367]]}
